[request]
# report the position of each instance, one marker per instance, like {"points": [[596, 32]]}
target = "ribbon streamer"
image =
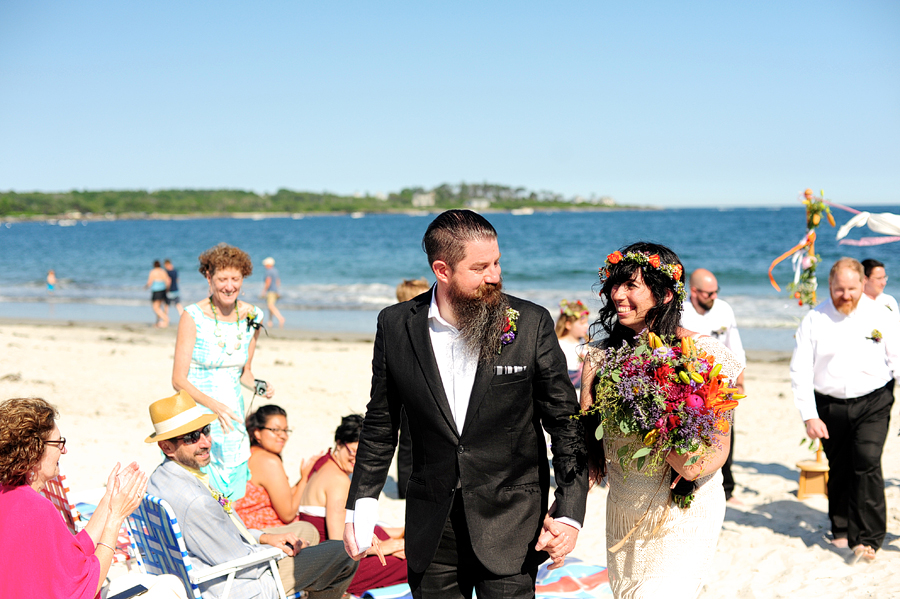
{"points": [[808, 241], [868, 241], [884, 223]]}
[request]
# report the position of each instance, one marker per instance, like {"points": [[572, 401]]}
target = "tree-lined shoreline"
{"points": [[192, 203]]}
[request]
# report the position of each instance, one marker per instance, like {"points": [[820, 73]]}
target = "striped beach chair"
{"points": [[57, 492], [159, 541]]}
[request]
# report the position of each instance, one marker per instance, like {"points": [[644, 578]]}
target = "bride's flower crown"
{"points": [[573, 310], [645, 260]]}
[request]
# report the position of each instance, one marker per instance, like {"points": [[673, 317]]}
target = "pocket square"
{"points": [[509, 369]]}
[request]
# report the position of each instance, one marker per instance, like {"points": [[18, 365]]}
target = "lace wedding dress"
{"points": [[671, 549]]}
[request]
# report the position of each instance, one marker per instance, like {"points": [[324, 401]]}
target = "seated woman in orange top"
{"points": [[323, 502], [270, 500]]}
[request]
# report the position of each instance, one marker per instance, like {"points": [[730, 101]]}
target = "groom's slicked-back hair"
{"points": [[447, 235]]}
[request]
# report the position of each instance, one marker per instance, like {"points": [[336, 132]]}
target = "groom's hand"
{"points": [[350, 545], [558, 540]]}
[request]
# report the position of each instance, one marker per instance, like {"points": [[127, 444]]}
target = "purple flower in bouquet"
{"points": [[662, 398]]}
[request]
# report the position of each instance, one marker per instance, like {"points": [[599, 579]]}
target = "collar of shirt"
{"points": [[865, 304], [204, 479], [202, 476], [456, 364]]}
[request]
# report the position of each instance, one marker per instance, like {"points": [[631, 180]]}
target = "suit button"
{"points": [[460, 449]]}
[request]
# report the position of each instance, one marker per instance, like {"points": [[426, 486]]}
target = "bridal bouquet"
{"points": [[661, 398]]}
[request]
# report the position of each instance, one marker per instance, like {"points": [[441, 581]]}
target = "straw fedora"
{"points": [[175, 416]]}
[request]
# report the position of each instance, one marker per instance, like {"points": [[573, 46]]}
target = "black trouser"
{"points": [[455, 570], [857, 429]]}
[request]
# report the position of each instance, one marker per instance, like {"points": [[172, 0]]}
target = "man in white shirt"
{"points": [[875, 282], [845, 358], [479, 373], [706, 314]]}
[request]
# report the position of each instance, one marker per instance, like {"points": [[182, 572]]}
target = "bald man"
{"points": [[706, 314]]}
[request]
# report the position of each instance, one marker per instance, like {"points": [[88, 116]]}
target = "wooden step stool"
{"points": [[813, 476]]}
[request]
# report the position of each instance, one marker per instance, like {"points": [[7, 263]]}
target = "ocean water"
{"points": [[337, 272]]}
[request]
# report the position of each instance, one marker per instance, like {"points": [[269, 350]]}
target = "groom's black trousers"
{"points": [[456, 571]]}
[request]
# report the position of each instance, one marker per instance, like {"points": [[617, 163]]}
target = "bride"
{"points": [[654, 547]]}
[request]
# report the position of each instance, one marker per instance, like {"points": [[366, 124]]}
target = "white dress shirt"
{"points": [[455, 362], [890, 303], [835, 354], [718, 322]]}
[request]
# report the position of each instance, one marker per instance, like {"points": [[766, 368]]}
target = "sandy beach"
{"points": [[102, 379]]}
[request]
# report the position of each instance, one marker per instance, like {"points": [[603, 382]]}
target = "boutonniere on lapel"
{"points": [[509, 329], [876, 336], [223, 501]]}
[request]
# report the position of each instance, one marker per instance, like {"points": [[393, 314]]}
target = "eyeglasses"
{"points": [[278, 431], [191, 438], [60, 443], [708, 293]]}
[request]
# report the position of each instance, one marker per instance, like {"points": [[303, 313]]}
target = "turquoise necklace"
{"points": [[219, 335]]}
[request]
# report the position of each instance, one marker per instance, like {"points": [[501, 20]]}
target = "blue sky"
{"points": [[664, 103]]}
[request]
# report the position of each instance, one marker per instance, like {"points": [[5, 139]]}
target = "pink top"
{"points": [[40, 556]]}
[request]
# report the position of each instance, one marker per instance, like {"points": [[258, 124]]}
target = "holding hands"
{"points": [[557, 539]]}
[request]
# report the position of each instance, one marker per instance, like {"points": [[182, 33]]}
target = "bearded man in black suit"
{"points": [[479, 373]]}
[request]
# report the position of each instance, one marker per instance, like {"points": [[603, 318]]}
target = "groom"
{"points": [[479, 374]]}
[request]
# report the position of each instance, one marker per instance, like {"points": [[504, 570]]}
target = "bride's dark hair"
{"points": [[663, 318]]}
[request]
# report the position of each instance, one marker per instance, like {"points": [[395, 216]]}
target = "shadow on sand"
{"points": [[781, 470], [798, 520]]}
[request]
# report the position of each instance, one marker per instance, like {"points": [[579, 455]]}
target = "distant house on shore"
{"points": [[478, 204], [423, 200], [601, 201]]}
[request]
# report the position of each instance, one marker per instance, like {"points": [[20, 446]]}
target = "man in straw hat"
{"points": [[214, 533]]}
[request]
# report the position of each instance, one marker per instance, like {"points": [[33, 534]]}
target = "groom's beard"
{"points": [[480, 317]]}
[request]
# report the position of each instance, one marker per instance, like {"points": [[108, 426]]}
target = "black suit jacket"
{"points": [[499, 460]]}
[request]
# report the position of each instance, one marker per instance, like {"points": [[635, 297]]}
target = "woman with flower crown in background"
{"points": [[571, 328], [655, 547], [213, 356]]}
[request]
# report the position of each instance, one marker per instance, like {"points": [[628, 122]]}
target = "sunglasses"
{"points": [[191, 438], [60, 443]]}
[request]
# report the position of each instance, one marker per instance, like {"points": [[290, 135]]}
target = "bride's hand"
{"points": [[677, 462]]}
